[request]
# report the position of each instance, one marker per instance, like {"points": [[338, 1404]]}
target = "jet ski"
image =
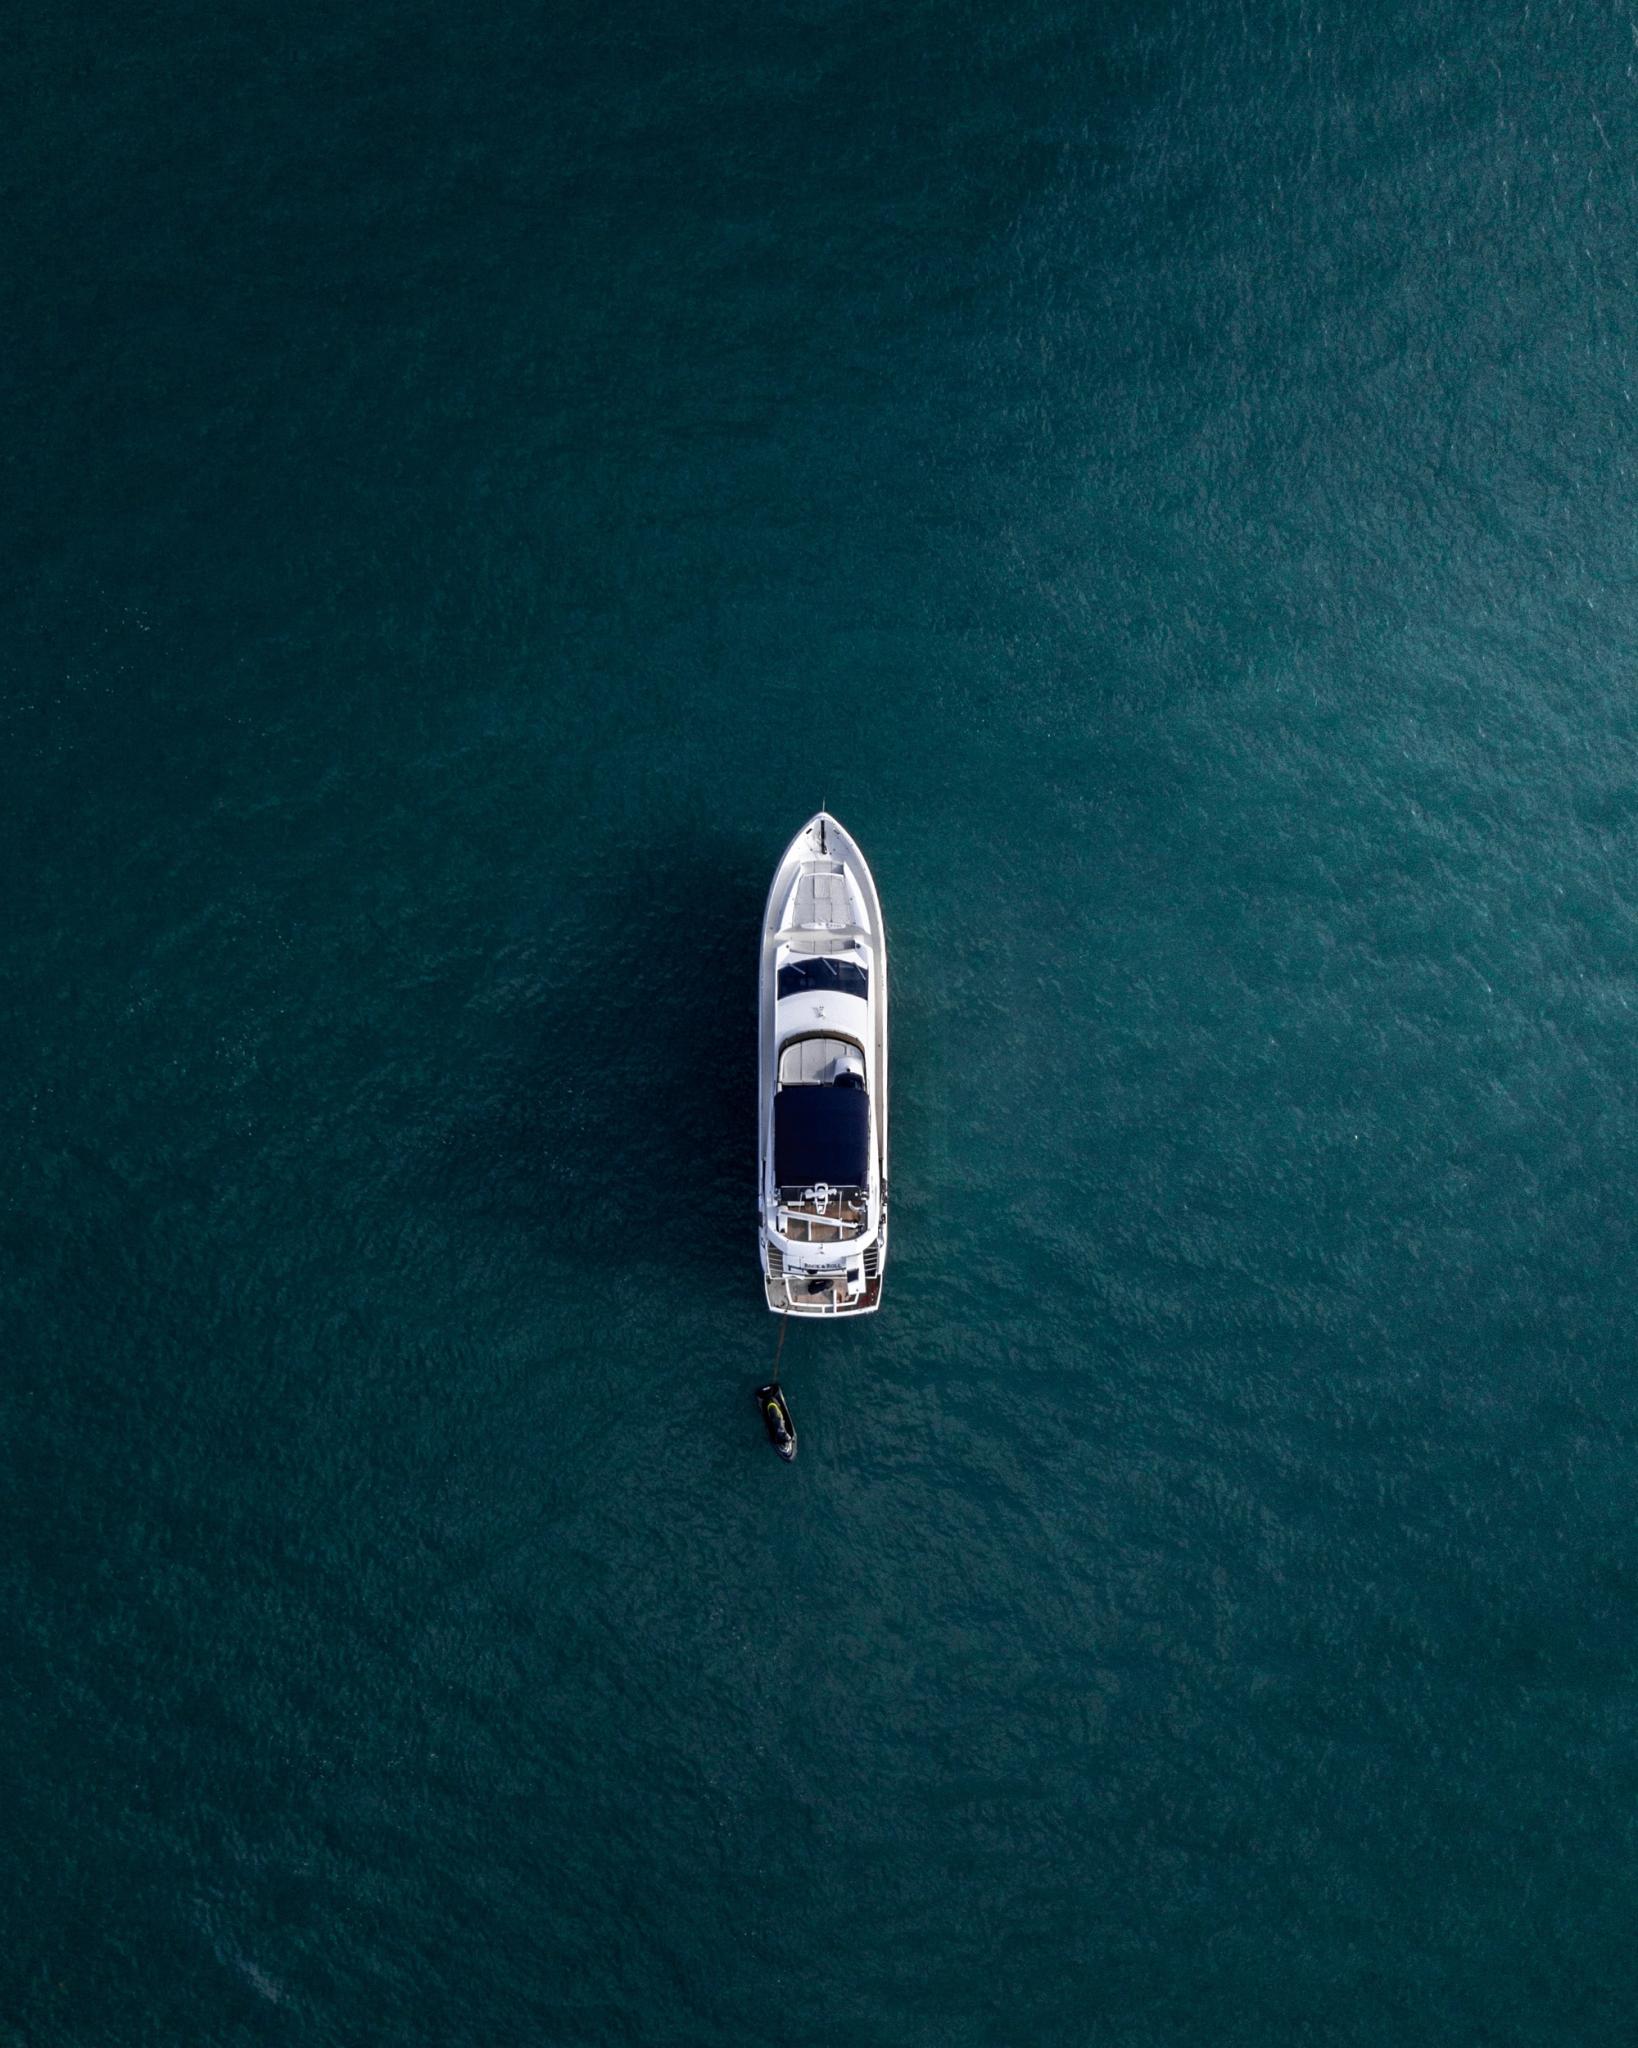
{"points": [[776, 1419]]}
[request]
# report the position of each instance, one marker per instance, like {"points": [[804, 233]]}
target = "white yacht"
{"points": [[822, 1131]]}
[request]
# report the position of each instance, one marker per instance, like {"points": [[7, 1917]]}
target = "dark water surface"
{"points": [[476, 479]]}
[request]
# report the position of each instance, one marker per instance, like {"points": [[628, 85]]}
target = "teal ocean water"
{"points": [[476, 480]]}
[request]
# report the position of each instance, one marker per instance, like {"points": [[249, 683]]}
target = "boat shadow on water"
{"points": [[618, 1124]]}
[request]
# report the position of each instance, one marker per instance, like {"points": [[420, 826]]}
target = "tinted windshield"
{"points": [[839, 977]]}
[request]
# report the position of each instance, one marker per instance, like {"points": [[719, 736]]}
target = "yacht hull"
{"points": [[822, 1043]]}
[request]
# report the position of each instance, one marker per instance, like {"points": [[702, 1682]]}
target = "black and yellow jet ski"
{"points": [[776, 1419]]}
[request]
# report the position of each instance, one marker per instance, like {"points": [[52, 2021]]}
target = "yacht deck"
{"points": [[804, 1221]]}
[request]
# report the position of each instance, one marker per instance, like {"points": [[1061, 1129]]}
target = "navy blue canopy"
{"points": [[821, 1134]]}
